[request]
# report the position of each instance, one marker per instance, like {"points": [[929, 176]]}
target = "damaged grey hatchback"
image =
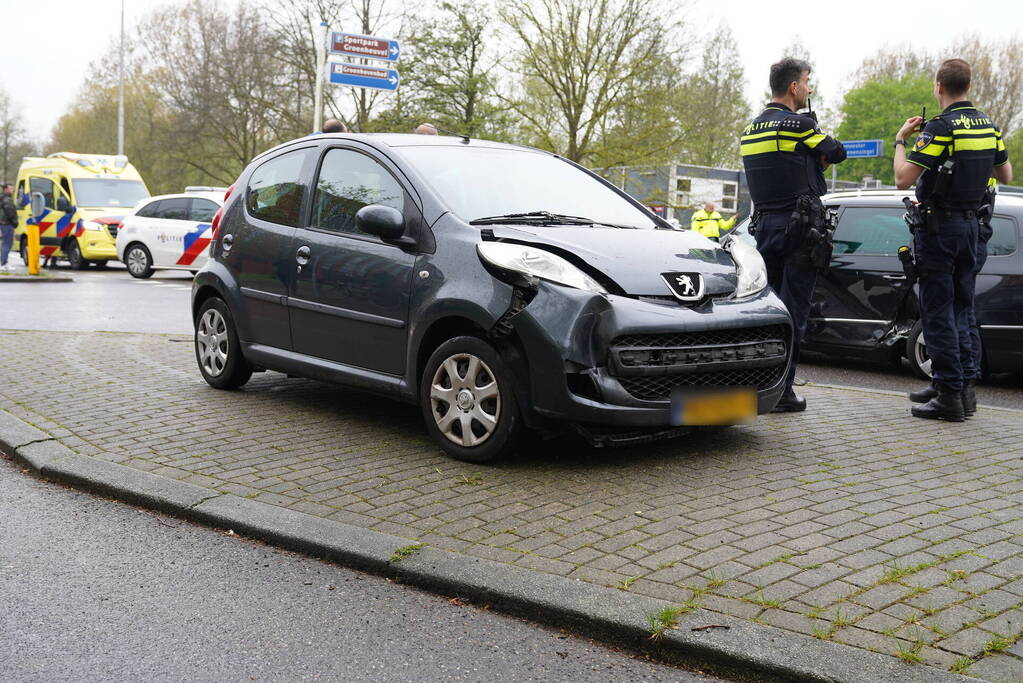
{"points": [[501, 288]]}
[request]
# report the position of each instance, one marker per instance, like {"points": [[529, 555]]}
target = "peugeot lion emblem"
{"points": [[685, 286]]}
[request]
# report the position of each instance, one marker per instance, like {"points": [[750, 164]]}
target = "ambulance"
{"points": [[78, 201]]}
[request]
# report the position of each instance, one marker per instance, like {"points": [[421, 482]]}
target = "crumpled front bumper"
{"points": [[572, 341]]}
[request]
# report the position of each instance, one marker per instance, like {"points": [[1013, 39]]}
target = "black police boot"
{"points": [[969, 398], [924, 395], [947, 405], [790, 402]]}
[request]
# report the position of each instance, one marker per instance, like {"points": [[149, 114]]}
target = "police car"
{"points": [[170, 231]]}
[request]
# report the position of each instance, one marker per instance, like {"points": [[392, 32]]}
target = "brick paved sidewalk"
{"points": [[852, 522]]}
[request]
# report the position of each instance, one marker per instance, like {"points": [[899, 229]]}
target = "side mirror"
{"points": [[38, 204], [63, 204], [386, 223]]}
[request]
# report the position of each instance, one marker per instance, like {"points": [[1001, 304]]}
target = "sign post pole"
{"points": [[321, 58]]}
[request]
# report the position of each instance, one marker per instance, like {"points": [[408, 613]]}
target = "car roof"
{"points": [[217, 197], [1007, 199]]}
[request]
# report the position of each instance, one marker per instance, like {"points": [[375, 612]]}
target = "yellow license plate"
{"points": [[714, 407]]}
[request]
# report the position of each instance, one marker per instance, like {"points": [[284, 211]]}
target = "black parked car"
{"points": [[499, 287], [855, 303]]}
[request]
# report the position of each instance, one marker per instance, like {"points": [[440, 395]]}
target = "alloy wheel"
{"points": [[465, 400], [920, 355], [137, 261], [212, 342]]}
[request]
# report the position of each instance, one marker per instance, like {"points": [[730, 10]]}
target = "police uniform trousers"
{"points": [[790, 275], [974, 369], [947, 261]]}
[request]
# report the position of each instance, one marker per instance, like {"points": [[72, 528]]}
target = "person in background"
{"points": [[709, 223], [334, 126], [426, 129], [8, 221]]}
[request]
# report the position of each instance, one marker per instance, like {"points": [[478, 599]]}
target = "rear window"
{"points": [[1003, 241], [871, 230], [275, 190]]}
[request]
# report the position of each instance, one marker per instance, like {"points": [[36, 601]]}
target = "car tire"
{"points": [[74, 256], [468, 401], [217, 350], [138, 260], [916, 352]]}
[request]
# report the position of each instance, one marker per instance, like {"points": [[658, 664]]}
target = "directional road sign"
{"points": [[359, 76], [859, 149], [367, 47]]}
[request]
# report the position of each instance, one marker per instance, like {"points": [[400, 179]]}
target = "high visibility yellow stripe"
{"points": [[814, 140], [932, 150], [1001, 145], [749, 149], [793, 134], [758, 136], [974, 144], [973, 131], [917, 163], [942, 138]]}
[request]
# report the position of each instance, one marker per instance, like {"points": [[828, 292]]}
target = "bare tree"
{"points": [[12, 137], [579, 59]]}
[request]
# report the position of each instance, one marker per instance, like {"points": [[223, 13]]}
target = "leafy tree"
{"points": [[14, 144], [875, 110], [1014, 146]]}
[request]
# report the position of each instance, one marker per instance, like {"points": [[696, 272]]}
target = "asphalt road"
{"points": [[111, 300], [96, 590]]}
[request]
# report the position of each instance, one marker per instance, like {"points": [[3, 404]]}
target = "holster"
{"points": [[812, 227]]}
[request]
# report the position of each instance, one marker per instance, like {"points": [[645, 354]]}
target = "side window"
{"points": [[176, 209], [275, 189], [203, 210], [1003, 241], [44, 185], [150, 210], [349, 181], [22, 199], [868, 230]]}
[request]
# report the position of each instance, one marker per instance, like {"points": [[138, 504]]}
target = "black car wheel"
{"points": [[217, 349], [916, 352], [74, 256], [468, 402], [138, 260]]}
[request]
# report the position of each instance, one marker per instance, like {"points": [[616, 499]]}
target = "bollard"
{"points": [[33, 248]]}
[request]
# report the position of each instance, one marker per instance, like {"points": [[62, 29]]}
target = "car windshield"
{"points": [[101, 192], [481, 182]]}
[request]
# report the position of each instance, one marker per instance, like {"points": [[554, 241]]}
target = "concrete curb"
{"points": [[733, 646], [34, 278], [899, 394]]}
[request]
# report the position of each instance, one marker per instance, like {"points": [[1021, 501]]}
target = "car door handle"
{"points": [[227, 241], [302, 255], [894, 277]]}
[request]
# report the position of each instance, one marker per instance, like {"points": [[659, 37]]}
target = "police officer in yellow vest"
{"points": [[709, 223]]}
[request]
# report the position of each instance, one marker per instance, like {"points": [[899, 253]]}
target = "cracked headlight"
{"points": [[750, 267], [536, 263]]}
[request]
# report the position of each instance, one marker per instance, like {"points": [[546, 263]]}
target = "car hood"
{"points": [[634, 259]]}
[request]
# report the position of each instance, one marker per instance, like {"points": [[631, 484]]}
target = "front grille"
{"points": [[659, 388], [704, 337], [650, 366]]}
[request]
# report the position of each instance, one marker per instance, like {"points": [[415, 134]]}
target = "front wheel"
{"points": [[138, 260], [74, 256], [916, 352], [468, 402], [217, 349]]}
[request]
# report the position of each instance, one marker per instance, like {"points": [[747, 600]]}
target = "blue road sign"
{"points": [[367, 47], [861, 149], [359, 76]]}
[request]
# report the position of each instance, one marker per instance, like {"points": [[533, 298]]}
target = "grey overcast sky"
{"points": [[47, 44]]}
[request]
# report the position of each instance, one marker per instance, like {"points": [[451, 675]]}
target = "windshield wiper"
{"points": [[542, 218]]}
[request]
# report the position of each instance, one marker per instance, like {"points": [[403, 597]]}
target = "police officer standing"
{"points": [[709, 223], [956, 153], [785, 154]]}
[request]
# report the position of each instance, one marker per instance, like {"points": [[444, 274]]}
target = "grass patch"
{"points": [[713, 581], [404, 552], [760, 599], [470, 479], [667, 618], [998, 644], [910, 654], [961, 665], [821, 633], [785, 557], [626, 583], [839, 621]]}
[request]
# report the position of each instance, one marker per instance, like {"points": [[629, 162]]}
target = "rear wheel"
{"points": [[916, 352], [74, 256], [139, 261], [217, 349], [468, 401]]}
